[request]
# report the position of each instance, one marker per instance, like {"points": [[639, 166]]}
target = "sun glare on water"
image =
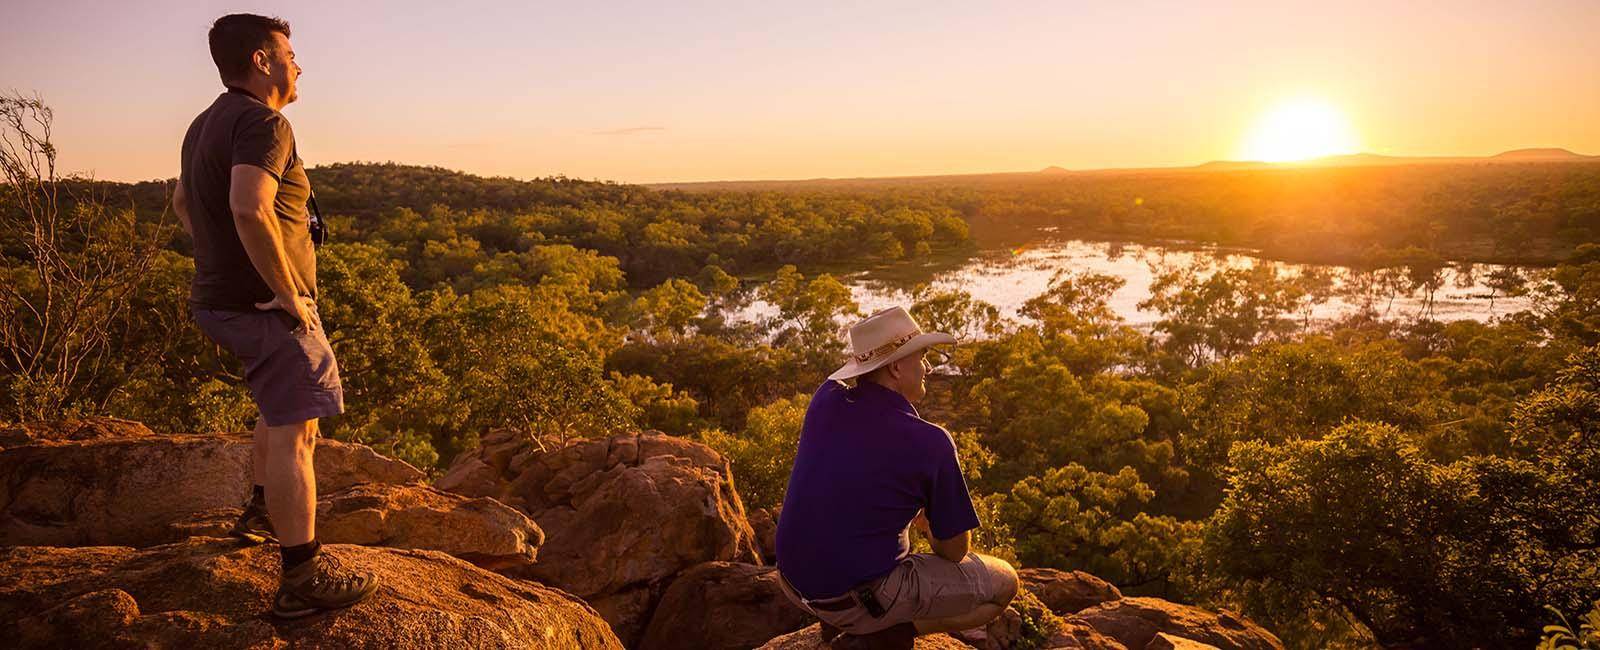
{"points": [[1300, 129]]}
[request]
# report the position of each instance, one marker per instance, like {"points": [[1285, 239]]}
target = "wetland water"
{"points": [[1009, 278]]}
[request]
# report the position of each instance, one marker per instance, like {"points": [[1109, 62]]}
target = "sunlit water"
{"points": [[1007, 279]]}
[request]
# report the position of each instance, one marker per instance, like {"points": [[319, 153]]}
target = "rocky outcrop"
{"points": [[1078, 636], [621, 515], [479, 530], [213, 593], [62, 431], [1002, 633], [722, 606], [810, 638], [482, 531], [764, 521], [487, 471], [1164, 641], [94, 486], [1067, 592], [1136, 621]]}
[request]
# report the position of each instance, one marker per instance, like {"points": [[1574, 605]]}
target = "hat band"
{"points": [[887, 347]]}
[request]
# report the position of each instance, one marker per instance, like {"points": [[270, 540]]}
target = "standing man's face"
{"points": [[283, 70]]}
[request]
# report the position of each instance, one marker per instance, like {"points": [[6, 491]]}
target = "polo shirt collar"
{"points": [[246, 93], [890, 398]]}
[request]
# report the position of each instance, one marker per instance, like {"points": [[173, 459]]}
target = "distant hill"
{"points": [[1518, 156], [1551, 154]]}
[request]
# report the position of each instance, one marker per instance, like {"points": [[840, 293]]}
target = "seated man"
{"points": [[868, 468]]}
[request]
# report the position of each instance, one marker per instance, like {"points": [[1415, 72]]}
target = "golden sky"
{"points": [[702, 91]]}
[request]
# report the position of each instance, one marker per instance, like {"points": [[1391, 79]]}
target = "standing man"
{"points": [[242, 198], [868, 470]]}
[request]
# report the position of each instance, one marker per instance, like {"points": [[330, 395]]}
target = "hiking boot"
{"points": [[254, 526], [320, 584], [898, 637]]}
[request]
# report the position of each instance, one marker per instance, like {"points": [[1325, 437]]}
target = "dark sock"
{"points": [[258, 496], [294, 556]]}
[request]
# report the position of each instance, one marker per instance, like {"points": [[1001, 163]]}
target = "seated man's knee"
{"points": [[1006, 583]]}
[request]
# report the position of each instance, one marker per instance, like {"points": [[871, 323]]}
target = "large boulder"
{"points": [[722, 606], [486, 471], [1077, 636], [1136, 621], [214, 593], [764, 521], [810, 638], [1164, 641], [66, 431], [621, 515], [128, 490], [1067, 592], [479, 530]]}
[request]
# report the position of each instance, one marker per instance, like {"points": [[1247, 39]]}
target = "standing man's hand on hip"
{"points": [[301, 308]]}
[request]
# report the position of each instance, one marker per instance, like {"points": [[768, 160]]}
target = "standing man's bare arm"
{"points": [[250, 194], [180, 205]]}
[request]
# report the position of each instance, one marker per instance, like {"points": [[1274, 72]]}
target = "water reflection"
{"points": [[1009, 278]]}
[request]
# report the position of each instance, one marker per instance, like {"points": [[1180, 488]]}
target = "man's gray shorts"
{"points": [[290, 371], [922, 586]]}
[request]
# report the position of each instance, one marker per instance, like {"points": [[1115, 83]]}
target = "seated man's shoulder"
{"points": [[929, 433], [830, 388]]}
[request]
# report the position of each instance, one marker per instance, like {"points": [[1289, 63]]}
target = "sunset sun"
{"points": [[1299, 129]]}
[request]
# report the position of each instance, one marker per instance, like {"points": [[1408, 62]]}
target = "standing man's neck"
{"points": [[261, 90]]}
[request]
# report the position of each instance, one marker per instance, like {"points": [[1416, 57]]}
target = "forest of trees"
{"points": [[1529, 213], [1405, 482]]}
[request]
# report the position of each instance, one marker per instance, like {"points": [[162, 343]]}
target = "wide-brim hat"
{"points": [[884, 338]]}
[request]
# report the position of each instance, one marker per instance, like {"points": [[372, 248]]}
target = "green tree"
{"points": [[670, 309], [396, 395], [1564, 637], [660, 406], [1223, 313], [1030, 407], [810, 313], [1421, 553], [70, 264], [762, 454], [955, 312], [1072, 518], [1280, 392]]}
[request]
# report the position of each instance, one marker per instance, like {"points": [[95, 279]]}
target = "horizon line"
{"points": [[1565, 155]]}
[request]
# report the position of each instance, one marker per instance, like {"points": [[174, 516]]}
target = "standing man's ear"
{"points": [[262, 61]]}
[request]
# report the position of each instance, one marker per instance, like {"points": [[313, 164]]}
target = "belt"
{"points": [[834, 604]]}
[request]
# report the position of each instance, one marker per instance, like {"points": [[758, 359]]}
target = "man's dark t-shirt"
{"points": [[239, 129], [866, 464]]}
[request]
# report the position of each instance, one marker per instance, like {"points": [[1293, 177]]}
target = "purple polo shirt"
{"points": [[866, 464]]}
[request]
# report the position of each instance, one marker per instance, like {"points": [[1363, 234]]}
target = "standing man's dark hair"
{"points": [[235, 38], [242, 197]]}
